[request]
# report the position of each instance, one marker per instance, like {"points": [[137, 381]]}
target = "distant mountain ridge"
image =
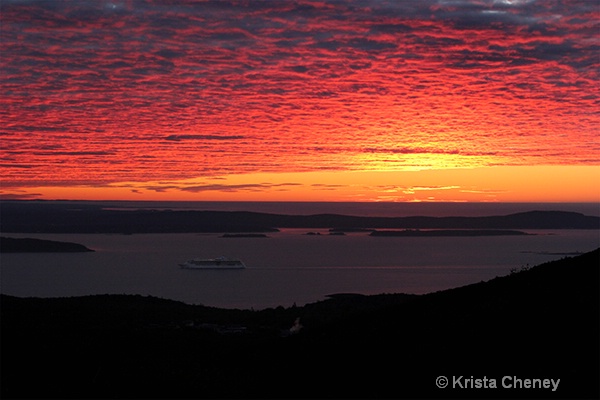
{"points": [[24, 217]]}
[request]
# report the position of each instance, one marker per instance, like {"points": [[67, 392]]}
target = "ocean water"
{"points": [[288, 267]]}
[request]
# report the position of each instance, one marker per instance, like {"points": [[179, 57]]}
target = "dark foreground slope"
{"points": [[541, 323]]}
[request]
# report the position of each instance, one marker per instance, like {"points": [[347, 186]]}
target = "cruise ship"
{"points": [[213, 263]]}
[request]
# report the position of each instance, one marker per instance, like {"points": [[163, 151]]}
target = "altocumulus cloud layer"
{"points": [[99, 91]]}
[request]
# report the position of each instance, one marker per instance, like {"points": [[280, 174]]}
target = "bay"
{"points": [[288, 267]]}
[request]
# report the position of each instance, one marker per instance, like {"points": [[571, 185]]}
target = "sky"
{"points": [[366, 100]]}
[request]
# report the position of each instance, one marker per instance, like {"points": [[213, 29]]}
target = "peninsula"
{"points": [[29, 245]]}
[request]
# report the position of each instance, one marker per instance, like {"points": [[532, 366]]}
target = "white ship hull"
{"points": [[213, 263]]}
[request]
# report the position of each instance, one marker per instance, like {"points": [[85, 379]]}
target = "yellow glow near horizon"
{"points": [[491, 184]]}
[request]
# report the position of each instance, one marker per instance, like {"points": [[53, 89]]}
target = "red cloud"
{"points": [[154, 90]]}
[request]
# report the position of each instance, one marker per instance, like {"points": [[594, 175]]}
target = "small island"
{"points": [[330, 233], [244, 235], [29, 245], [351, 230]]}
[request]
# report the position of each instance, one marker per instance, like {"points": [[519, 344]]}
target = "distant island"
{"points": [[244, 235], [66, 217], [331, 233], [29, 245], [447, 232], [350, 230], [540, 322]]}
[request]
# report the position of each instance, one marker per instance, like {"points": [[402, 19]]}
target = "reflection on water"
{"points": [[286, 268]]}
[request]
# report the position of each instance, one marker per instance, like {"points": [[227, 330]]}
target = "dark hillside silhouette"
{"points": [[537, 323]]}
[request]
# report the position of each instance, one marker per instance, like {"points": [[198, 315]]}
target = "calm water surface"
{"points": [[286, 268]]}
